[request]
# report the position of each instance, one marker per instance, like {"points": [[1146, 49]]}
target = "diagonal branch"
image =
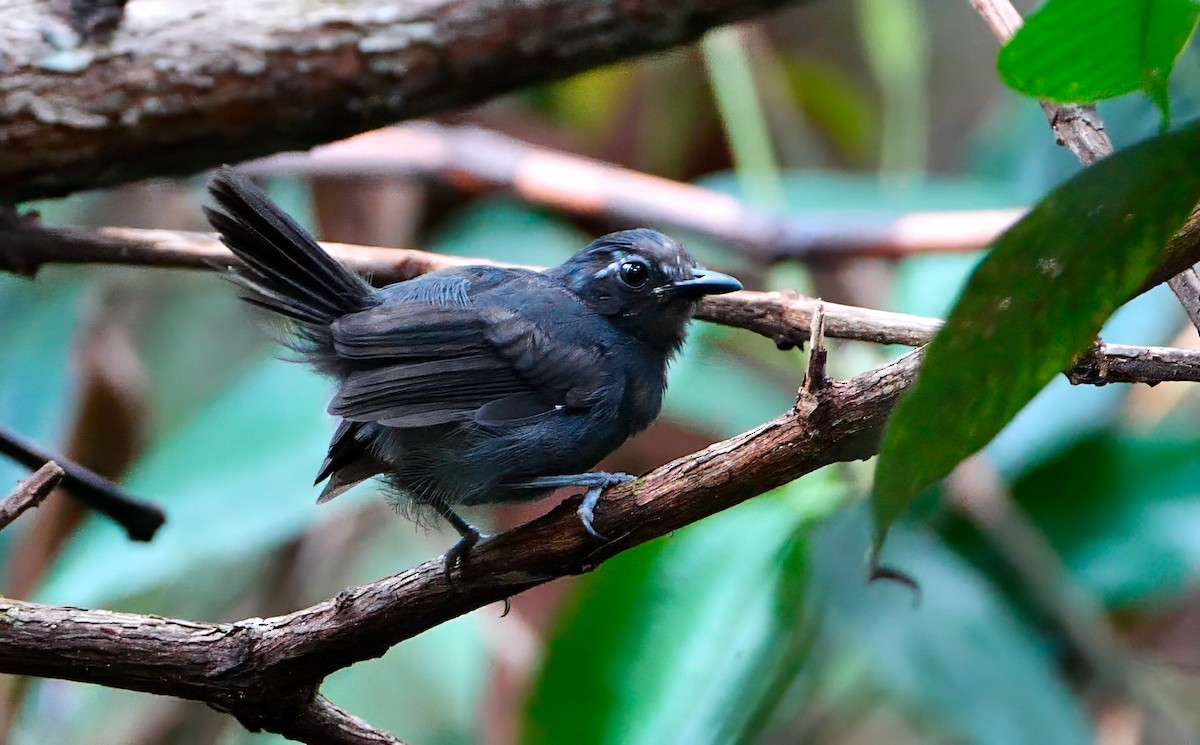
{"points": [[264, 671], [140, 519], [180, 87]]}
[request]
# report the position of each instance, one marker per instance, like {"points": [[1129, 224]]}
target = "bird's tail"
{"points": [[285, 271]]}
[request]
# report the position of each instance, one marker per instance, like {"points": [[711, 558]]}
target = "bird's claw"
{"points": [[456, 556], [587, 512], [587, 509]]}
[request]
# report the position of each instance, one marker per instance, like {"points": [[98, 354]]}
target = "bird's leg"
{"points": [[596, 481], [470, 536]]}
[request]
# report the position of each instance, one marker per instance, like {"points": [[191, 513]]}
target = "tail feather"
{"points": [[285, 271]]}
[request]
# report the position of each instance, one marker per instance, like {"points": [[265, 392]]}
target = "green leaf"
{"points": [[690, 638], [1081, 51], [1032, 306]]}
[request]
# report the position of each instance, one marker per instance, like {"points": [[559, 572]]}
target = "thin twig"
{"points": [[1186, 286], [1078, 128], [30, 493], [140, 519], [783, 317]]}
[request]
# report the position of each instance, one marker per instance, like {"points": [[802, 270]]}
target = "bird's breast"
{"points": [[642, 400]]}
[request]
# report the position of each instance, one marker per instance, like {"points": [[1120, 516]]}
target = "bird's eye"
{"points": [[634, 273]]}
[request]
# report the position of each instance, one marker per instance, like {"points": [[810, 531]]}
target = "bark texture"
{"points": [[179, 87]]}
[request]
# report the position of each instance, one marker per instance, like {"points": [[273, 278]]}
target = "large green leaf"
{"points": [[1088, 50], [1062, 413], [1032, 306], [689, 638]]}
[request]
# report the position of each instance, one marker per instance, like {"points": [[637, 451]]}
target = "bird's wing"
{"points": [[453, 350]]}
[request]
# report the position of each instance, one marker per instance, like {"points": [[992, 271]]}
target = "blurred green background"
{"points": [[1059, 575]]}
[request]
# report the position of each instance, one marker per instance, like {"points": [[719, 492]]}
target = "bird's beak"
{"points": [[706, 282]]}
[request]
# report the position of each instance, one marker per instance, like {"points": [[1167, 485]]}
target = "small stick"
{"points": [[30, 492], [814, 378], [139, 519], [1186, 286]]}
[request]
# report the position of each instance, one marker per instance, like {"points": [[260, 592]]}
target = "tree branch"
{"points": [[265, 670], [783, 317], [140, 519], [475, 159], [180, 87]]}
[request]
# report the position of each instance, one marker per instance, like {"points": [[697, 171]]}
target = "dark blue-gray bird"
{"points": [[477, 384]]}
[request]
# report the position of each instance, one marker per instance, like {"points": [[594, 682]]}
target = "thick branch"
{"points": [[180, 87], [250, 667]]}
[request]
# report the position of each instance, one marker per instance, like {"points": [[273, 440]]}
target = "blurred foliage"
{"points": [[896, 44], [755, 625], [41, 320]]}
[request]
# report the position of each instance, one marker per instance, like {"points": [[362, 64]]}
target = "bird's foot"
{"points": [[587, 509], [595, 481], [456, 557]]}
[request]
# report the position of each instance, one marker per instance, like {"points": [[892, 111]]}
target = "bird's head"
{"points": [[644, 282]]}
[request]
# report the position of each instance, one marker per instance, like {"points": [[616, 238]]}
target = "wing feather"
{"points": [[443, 351]]}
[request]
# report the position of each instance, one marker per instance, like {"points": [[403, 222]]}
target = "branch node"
{"points": [[815, 378], [1091, 368]]}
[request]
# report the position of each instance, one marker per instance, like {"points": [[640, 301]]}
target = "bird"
{"points": [[475, 384]]}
